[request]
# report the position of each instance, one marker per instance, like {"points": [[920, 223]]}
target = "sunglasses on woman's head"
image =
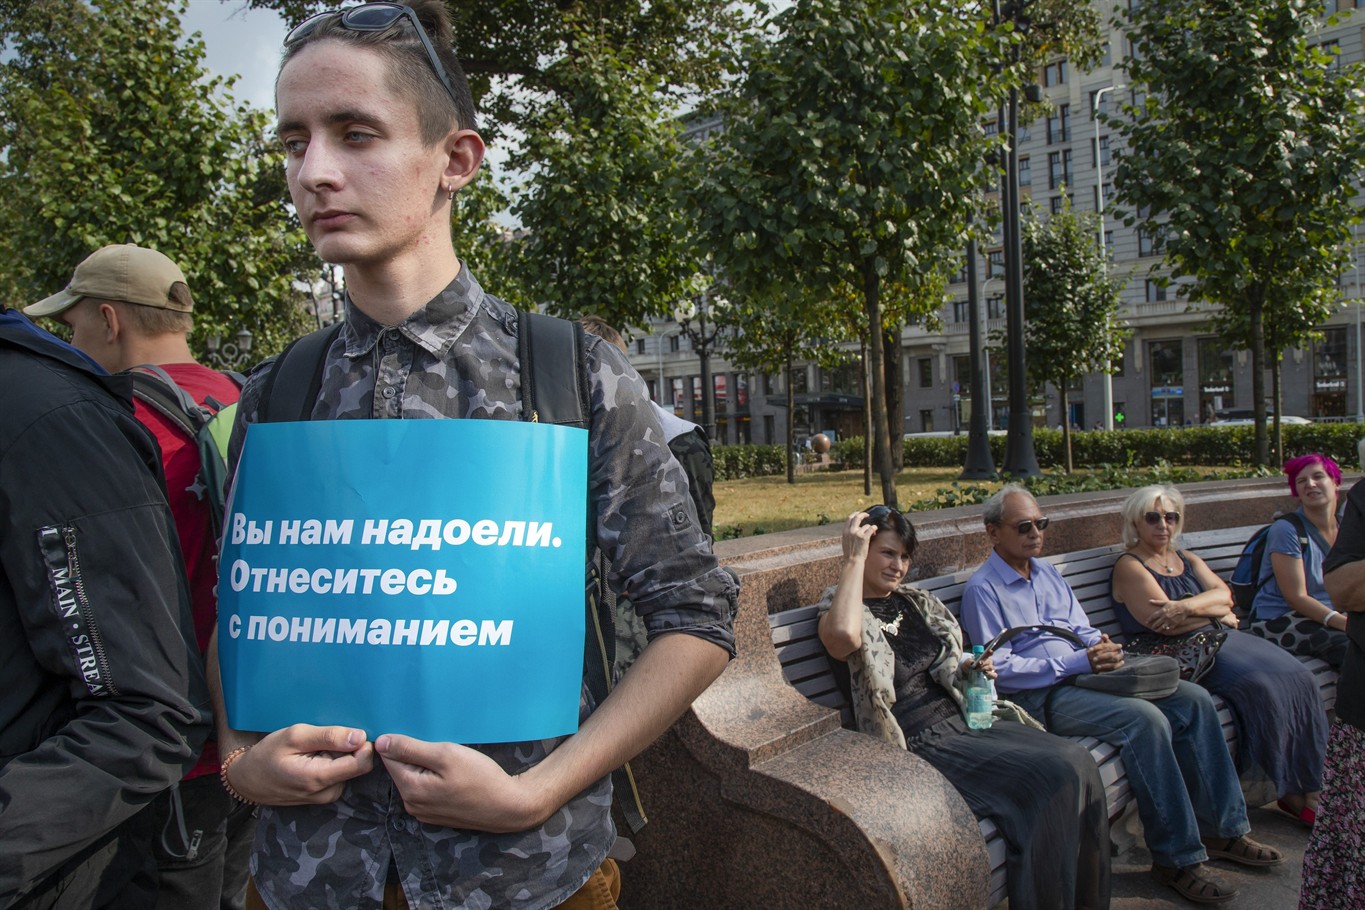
{"points": [[375, 17], [877, 513], [1155, 518]]}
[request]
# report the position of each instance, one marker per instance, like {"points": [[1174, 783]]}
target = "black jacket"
{"points": [[103, 702]]}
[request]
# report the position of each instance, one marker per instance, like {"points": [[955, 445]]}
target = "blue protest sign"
{"points": [[423, 577]]}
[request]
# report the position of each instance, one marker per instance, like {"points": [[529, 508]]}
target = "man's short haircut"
{"points": [[150, 320], [1139, 502], [596, 325], [409, 71], [994, 510]]}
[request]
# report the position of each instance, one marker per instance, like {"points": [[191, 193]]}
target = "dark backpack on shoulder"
{"points": [[1246, 581], [554, 386]]}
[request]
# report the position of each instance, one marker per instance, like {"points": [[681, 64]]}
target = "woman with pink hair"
{"points": [[1292, 608]]}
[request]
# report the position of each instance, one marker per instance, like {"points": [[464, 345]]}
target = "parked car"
{"points": [[1243, 417]]}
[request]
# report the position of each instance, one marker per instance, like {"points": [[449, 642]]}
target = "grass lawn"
{"points": [[759, 505], [762, 505]]}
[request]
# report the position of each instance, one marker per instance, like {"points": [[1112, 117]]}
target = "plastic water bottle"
{"points": [[980, 695]]}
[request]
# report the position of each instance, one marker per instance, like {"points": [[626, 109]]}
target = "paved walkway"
{"points": [[1276, 888]]}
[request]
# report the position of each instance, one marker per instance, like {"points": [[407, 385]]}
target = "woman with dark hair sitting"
{"points": [[898, 653]]}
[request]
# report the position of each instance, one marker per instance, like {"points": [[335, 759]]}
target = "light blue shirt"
{"points": [[1283, 538], [997, 598]]}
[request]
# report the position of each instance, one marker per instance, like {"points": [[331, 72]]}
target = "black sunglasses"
{"points": [[877, 513], [1154, 518], [1028, 524], [375, 17]]}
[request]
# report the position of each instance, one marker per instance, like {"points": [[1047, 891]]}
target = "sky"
{"points": [[239, 42]]}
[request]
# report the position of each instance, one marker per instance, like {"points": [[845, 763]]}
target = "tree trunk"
{"points": [[895, 397], [791, 421], [872, 307], [1276, 391], [1066, 420], [865, 376], [1261, 452]]}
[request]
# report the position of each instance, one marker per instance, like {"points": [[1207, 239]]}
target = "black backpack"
{"points": [[554, 384], [1246, 581]]}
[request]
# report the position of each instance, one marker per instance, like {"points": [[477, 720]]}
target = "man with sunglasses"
{"points": [[1183, 778], [377, 123]]}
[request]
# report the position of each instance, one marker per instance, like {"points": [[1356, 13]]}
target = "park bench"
{"points": [[808, 668]]}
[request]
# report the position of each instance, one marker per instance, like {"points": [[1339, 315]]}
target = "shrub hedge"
{"points": [[1094, 448]]}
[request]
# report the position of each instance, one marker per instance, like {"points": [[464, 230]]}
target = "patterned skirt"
{"points": [[1334, 863]]}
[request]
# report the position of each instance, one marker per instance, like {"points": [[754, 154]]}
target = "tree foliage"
{"points": [[110, 132], [1242, 153], [604, 230], [1071, 305], [852, 156]]}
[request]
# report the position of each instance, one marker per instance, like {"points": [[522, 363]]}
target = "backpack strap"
{"points": [[291, 388], [554, 389], [1299, 528], [154, 387]]}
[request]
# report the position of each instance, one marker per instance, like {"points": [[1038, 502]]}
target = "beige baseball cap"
{"points": [[122, 271]]}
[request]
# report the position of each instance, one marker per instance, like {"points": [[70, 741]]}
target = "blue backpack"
{"points": [[1246, 581]]}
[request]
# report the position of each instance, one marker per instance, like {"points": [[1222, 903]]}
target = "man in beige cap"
{"points": [[128, 306]]}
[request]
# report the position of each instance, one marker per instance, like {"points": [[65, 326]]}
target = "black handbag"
{"points": [[1195, 651], [1149, 676]]}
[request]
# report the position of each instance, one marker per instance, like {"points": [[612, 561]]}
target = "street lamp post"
{"points": [[980, 464], [1104, 252], [232, 355]]}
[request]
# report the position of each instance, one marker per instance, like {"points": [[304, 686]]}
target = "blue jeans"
{"points": [[1174, 753]]}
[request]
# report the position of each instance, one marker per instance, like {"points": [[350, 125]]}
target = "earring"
{"points": [[451, 189]]}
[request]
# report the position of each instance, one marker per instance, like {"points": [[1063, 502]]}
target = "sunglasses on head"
{"points": [[877, 513], [1028, 524], [1155, 518], [375, 17]]}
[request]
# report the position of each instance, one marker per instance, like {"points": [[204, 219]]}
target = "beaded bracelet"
{"points": [[223, 775]]}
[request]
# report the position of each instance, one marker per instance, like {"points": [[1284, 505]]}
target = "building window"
{"points": [[926, 419], [1149, 244], [1108, 201], [962, 312], [1156, 291], [991, 128], [995, 307], [1058, 168], [1216, 373], [1168, 383], [995, 264], [1056, 204], [1100, 157], [674, 343], [962, 373], [1054, 73], [639, 345], [1025, 172], [1329, 374], [770, 429], [926, 372], [1058, 125]]}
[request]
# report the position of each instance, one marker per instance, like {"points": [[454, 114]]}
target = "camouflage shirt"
{"points": [[458, 357]]}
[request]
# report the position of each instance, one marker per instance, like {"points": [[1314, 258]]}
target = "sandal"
{"points": [[1304, 816], [1242, 850], [1194, 884]]}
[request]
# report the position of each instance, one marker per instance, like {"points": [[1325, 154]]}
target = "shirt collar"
{"points": [[435, 327], [1008, 574]]}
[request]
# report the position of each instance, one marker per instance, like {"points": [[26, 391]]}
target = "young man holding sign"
{"points": [[377, 123]]}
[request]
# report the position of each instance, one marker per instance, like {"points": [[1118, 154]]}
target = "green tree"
{"points": [[851, 157], [770, 333], [604, 230], [1071, 304], [1242, 155], [110, 132]]}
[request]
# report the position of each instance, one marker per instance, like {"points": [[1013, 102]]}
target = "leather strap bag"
{"points": [[1149, 676]]}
